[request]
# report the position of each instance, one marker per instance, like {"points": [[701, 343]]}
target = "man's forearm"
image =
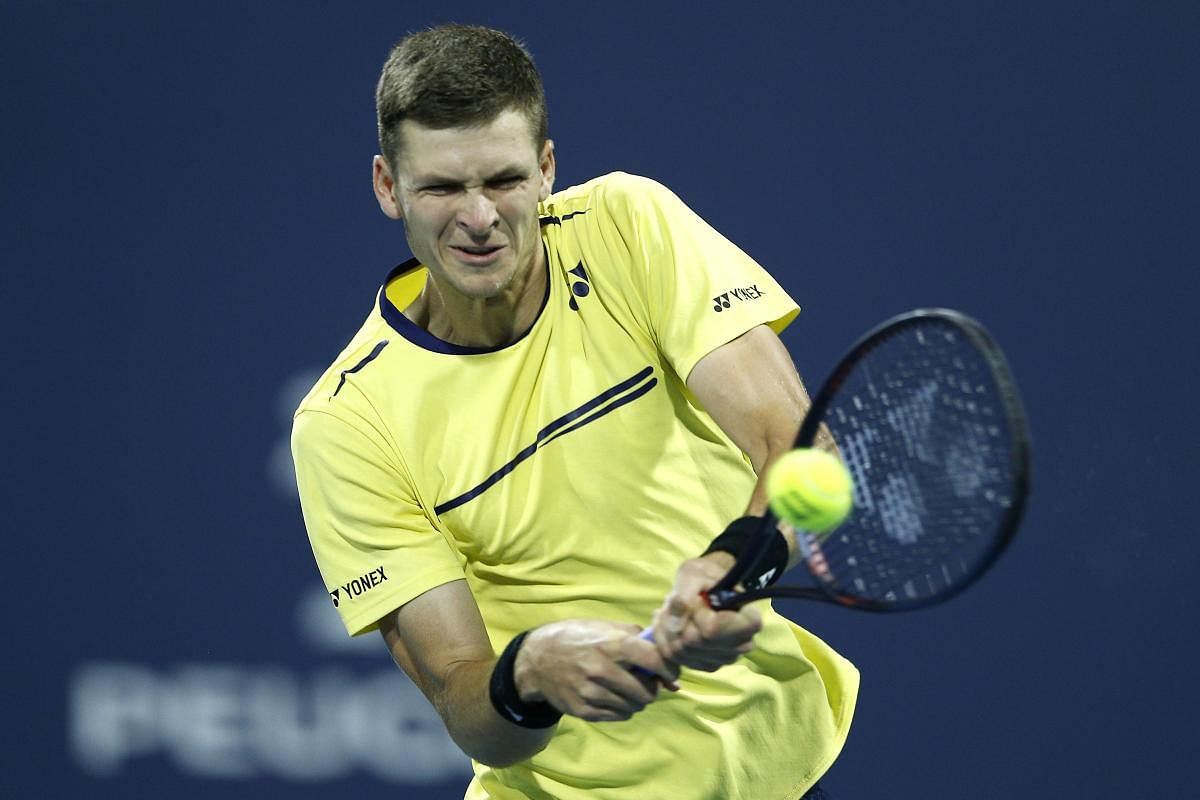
{"points": [[475, 726]]}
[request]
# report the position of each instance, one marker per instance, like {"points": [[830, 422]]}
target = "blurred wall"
{"points": [[189, 235]]}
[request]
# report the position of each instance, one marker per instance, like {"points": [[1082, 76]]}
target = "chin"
{"points": [[484, 287]]}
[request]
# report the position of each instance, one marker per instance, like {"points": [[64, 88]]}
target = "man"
{"points": [[558, 403]]}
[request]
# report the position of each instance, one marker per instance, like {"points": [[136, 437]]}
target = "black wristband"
{"points": [[738, 535], [503, 690]]}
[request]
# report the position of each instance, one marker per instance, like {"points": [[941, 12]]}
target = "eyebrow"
{"points": [[436, 179]]}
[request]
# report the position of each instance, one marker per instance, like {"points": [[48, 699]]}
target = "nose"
{"points": [[478, 214]]}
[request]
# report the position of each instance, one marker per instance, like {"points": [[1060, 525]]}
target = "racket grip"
{"points": [[648, 635]]}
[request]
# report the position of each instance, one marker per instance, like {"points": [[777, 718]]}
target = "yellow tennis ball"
{"points": [[811, 489]]}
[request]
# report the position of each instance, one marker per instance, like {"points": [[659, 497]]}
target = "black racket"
{"points": [[927, 417]]}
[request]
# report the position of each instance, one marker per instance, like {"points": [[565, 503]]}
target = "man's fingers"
{"points": [[689, 632], [677, 613], [583, 668], [752, 614], [645, 656], [687, 598], [712, 639], [728, 628], [623, 689]]}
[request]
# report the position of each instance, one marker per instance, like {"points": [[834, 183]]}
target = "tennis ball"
{"points": [[810, 489]]}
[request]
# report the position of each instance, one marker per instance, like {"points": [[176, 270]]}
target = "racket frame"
{"points": [[726, 595]]}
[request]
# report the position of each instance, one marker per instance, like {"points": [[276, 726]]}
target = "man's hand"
{"points": [[691, 634], [582, 668]]}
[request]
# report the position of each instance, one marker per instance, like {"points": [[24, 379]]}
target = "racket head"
{"points": [[930, 424]]}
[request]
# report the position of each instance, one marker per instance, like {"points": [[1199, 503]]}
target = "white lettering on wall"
{"points": [[229, 721]]}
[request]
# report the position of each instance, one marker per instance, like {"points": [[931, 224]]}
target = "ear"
{"points": [[385, 188], [546, 165]]}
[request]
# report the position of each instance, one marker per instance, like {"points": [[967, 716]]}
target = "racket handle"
{"points": [[648, 635]]}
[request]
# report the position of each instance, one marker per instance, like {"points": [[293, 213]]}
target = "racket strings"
{"points": [[921, 424]]}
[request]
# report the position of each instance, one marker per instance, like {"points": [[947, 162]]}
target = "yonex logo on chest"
{"points": [[744, 294], [580, 287]]}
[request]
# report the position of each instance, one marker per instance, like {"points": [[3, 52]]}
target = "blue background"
{"points": [[189, 233]]}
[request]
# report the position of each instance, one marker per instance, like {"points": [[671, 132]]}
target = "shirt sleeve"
{"points": [[700, 290], [374, 545]]}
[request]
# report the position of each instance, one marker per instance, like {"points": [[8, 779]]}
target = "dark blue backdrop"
{"points": [[189, 232]]}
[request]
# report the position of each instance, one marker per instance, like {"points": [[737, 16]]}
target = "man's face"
{"points": [[469, 198]]}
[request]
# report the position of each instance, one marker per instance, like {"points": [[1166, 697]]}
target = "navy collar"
{"points": [[426, 340]]}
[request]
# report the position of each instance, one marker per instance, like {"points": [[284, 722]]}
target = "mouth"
{"points": [[478, 255]]}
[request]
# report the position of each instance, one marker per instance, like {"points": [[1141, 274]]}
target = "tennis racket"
{"points": [[928, 420]]}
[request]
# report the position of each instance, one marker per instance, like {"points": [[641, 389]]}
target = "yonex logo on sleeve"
{"points": [[725, 300], [358, 586]]}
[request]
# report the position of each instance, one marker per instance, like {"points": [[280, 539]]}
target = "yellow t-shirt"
{"points": [[567, 475]]}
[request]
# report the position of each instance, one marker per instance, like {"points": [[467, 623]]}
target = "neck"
{"points": [[482, 322]]}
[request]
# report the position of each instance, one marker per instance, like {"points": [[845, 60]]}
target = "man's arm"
{"points": [[751, 389], [581, 667]]}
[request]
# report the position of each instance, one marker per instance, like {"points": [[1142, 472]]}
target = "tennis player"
{"points": [[546, 435]]}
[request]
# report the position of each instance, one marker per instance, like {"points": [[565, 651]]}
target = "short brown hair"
{"points": [[454, 76]]}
